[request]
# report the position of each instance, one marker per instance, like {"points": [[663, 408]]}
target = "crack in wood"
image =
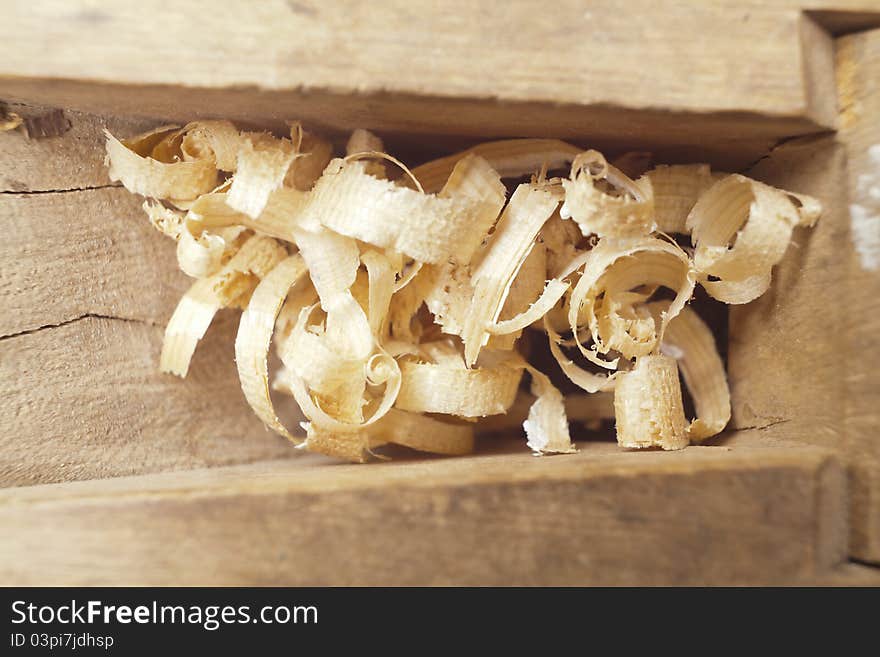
{"points": [[73, 320], [782, 141], [761, 427], [89, 188]]}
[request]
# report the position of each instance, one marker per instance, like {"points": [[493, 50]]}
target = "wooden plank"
{"points": [[285, 45], [609, 74], [858, 62], [86, 400], [75, 253], [71, 161], [784, 366], [787, 351], [790, 351], [75, 243], [746, 514], [819, 321]]}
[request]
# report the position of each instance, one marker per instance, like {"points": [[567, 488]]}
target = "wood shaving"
{"points": [[398, 300]]}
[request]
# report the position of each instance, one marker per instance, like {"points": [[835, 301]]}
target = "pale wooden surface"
{"points": [[783, 364], [744, 514], [859, 83], [453, 49], [73, 161], [75, 253], [788, 351], [86, 400], [77, 244], [803, 357], [615, 75]]}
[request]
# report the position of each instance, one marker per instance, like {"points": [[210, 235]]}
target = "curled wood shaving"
{"points": [[230, 287], [152, 165], [255, 335], [468, 393], [514, 236], [740, 228], [428, 228], [618, 278], [511, 158], [399, 304], [690, 342], [604, 201]]}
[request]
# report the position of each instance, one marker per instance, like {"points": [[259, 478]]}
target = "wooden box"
{"points": [[117, 474]]}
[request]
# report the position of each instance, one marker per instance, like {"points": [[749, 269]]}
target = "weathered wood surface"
{"points": [[86, 288], [783, 368], [85, 400], [803, 357], [74, 243], [70, 162], [750, 513], [610, 74], [71, 254], [858, 66], [788, 350]]}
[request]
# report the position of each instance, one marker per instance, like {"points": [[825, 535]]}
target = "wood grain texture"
{"points": [[420, 127], [72, 161], [76, 244], [75, 253], [858, 66], [748, 74], [456, 49], [803, 357], [746, 514], [788, 351], [783, 363], [86, 400], [618, 77]]}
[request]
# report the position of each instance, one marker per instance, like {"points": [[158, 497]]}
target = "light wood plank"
{"points": [[74, 253], [816, 329], [858, 63], [72, 161], [784, 365], [745, 514], [86, 400], [615, 76], [455, 49]]}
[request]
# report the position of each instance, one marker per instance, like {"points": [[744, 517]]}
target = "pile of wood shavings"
{"points": [[397, 306]]}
